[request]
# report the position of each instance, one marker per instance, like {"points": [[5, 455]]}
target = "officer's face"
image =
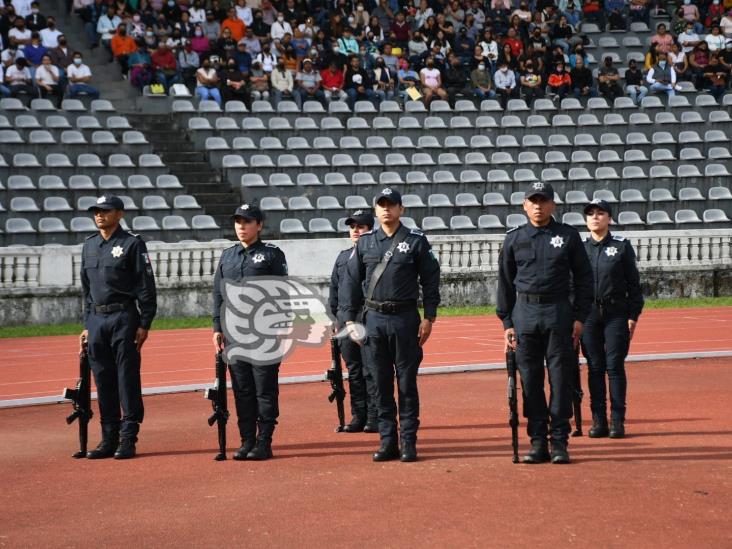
{"points": [[356, 231], [388, 212], [247, 230], [539, 209], [598, 220], [107, 219]]}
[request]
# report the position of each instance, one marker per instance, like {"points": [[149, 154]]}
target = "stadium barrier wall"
{"points": [[41, 284]]}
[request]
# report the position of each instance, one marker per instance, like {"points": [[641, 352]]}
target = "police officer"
{"points": [[609, 328], [118, 290], [255, 386], [360, 384], [384, 273], [535, 267]]}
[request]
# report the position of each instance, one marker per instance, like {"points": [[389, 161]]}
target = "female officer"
{"points": [[610, 326]]}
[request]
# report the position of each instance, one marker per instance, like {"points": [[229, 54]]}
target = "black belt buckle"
{"points": [[110, 308], [388, 307]]}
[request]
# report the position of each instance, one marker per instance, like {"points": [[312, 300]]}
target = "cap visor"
{"points": [[538, 193], [100, 207]]}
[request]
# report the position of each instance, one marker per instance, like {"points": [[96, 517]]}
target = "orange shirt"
{"points": [[236, 26], [123, 45]]}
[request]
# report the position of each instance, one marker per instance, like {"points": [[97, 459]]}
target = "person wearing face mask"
{"points": [[188, 63], [106, 27], [207, 82], [661, 77], [260, 28], [716, 77], [140, 65], [582, 81], [62, 55], [689, 38], [20, 35], [226, 44], [49, 35], [560, 82], [283, 83], [455, 80], [726, 24], [211, 27], [384, 80], [175, 41], [698, 60], [34, 51], [258, 83], [150, 39], [244, 12], [505, 83], [165, 66], [431, 81], [235, 84], [481, 81], [267, 59], [122, 46], [715, 40], [184, 26], [690, 14], [280, 27], [79, 76], [634, 83], [609, 80], [199, 42], [19, 80], [714, 13], [531, 84]]}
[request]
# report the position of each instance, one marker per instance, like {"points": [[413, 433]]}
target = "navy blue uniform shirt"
{"points": [[237, 262], [118, 270], [616, 273], [412, 265], [336, 279], [543, 260]]}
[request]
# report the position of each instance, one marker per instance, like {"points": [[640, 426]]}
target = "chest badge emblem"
{"points": [[117, 251], [557, 241], [403, 247], [611, 251], [258, 258]]}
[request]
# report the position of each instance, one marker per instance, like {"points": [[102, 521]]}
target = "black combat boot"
{"points": [[247, 445], [372, 423], [599, 426], [106, 447], [126, 448], [356, 426], [261, 451], [539, 452], [617, 429], [387, 451], [559, 452], [409, 452]]}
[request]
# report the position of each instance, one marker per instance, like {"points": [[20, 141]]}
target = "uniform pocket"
{"points": [[525, 256]]}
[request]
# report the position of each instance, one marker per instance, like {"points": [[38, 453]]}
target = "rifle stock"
{"points": [[577, 395], [335, 376], [217, 396], [80, 397], [513, 419]]}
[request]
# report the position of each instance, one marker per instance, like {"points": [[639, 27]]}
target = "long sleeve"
{"points": [[582, 277], [333, 291], [649, 77], [85, 293], [350, 293], [429, 278], [218, 298], [145, 291], [506, 292], [632, 279]]}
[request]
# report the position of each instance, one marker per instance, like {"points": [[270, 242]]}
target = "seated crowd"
{"points": [[36, 59]]}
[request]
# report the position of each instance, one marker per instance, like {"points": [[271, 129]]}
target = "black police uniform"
{"points": [[119, 295], [360, 382], [535, 265], [255, 386], [392, 320], [606, 337]]}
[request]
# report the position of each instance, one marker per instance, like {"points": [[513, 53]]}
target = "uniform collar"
{"points": [[381, 235], [602, 242], [114, 236], [253, 246], [549, 227]]}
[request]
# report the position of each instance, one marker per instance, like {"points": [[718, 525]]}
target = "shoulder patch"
{"points": [[133, 234], [270, 245], [368, 232], [417, 232], [618, 238]]}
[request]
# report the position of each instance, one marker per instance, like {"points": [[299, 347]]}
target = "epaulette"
{"points": [[133, 234], [270, 245], [417, 232], [514, 229], [91, 236], [368, 232], [618, 238]]}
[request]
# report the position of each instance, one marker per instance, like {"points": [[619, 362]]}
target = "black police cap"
{"points": [[107, 202], [248, 212], [387, 193], [361, 217], [538, 188], [601, 204]]}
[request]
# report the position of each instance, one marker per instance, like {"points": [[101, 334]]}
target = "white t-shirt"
{"points": [[49, 37], [197, 15], [715, 42], [267, 61], [6, 57], [19, 35], [202, 74], [688, 37], [44, 74], [78, 71], [278, 30], [431, 77], [22, 7], [245, 14], [14, 75]]}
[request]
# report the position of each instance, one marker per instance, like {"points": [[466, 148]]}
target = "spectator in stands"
{"points": [[478, 58], [333, 80], [357, 83], [509, 59], [725, 56], [165, 66], [280, 28], [431, 81], [456, 81], [531, 84], [309, 29], [505, 83], [106, 27], [401, 29], [282, 82], [715, 77], [593, 12], [609, 80], [560, 82], [288, 56], [679, 61], [267, 59], [689, 38], [260, 27], [715, 40], [22, 7], [259, 83], [385, 79], [90, 15], [244, 12], [561, 34], [61, 55], [226, 44], [651, 57], [140, 66], [136, 28], [18, 79], [638, 10], [583, 84], [490, 50], [573, 15], [19, 36], [300, 44], [188, 63], [662, 39], [200, 42], [464, 46], [34, 51], [662, 78], [235, 25], [242, 58], [211, 27], [207, 82], [48, 80], [35, 21], [197, 13], [251, 43], [690, 14], [698, 61], [49, 35], [726, 24], [4, 90], [185, 26], [714, 14], [79, 76], [407, 79], [481, 81], [308, 84], [151, 39], [235, 84], [123, 45], [579, 52], [634, 83]]}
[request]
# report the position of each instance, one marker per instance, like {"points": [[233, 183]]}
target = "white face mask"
{"points": [[504, 70], [280, 19], [77, 61], [481, 67]]}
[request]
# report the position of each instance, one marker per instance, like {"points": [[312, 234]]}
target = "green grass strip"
{"points": [[37, 330]]}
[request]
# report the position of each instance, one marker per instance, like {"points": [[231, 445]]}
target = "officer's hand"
{"points": [[354, 333], [509, 337], [83, 337], [576, 333], [425, 329], [218, 341], [631, 328], [140, 338]]}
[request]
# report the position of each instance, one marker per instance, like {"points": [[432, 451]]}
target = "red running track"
{"points": [[42, 366]]}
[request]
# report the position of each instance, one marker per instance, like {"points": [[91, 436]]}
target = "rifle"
{"points": [[217, 396], [577, 395], [335, 376], [513, 419], [80, 397]]}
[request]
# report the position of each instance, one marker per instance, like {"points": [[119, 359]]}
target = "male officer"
{"points": [[383, 275], [255, 386], [118, 289], [360, 384], [535, 267], [610, 326]]}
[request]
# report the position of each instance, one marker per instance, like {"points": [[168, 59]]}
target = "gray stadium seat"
{"points": [[110, 182], [551, 175], [631, 195], [25, 160], [684, 217], [41, 137], [154, 202], [716, 170], [271, 203], [439, 200], [88, 160], [461, 223], [661, 195], [144, 223], [56, 204], [463, 200], [356, 202], [51, 183], [489, 221], [88, 123], [82, 225], [363, 178], [433, 223], [292, 226], [174, 223], [715, 215], [320, 225], [629, 218], [690, 194], [18, 225], [575, 219], [658, 217], [20, 183], [576, 197], [299, 203], [720, 193], [604, 194], [280, 180], [662, 155], [516, 220], [203, 222], [83, 203], [23, 204], [168, 181], [58, 160]]}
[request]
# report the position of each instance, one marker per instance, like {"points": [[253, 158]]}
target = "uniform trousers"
{"points": [[256, 394]]}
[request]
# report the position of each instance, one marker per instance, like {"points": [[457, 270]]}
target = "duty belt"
{"points": [[111, 308], [610, 300], [390, 307], [542, 299]]}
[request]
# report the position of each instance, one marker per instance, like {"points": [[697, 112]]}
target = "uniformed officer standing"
{"points": [[383, 275], [118, 289], [609, 328], [360, 384], [255, 386], [535, 267]]}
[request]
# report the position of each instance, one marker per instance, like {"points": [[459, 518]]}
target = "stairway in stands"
{"points": [[190, 166]]}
